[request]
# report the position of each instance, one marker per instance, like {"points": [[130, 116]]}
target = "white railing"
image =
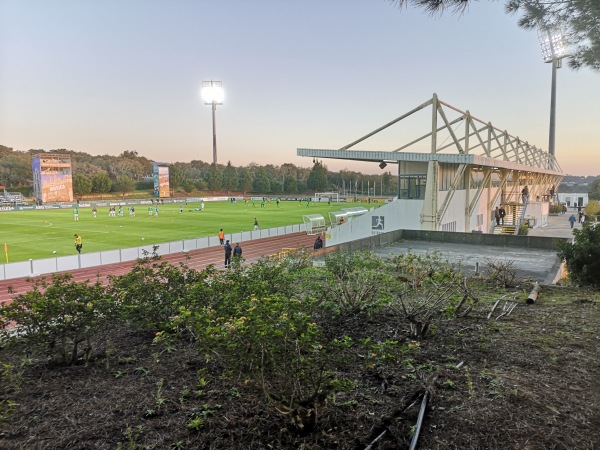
{"points": [[35, 267]]}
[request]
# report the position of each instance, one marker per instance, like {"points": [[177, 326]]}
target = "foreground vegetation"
{"points": [[283, 354]]}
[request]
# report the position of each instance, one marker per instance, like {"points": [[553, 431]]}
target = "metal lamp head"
{"points": [[212, 92], [552, 44]]}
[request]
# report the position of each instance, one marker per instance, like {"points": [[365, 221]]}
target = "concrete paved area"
{"points": [[538, 264], [558, 226]]}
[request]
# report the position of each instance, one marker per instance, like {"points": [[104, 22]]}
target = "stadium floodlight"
{"points": [[552, 44], [212, 94], [553, 51]]}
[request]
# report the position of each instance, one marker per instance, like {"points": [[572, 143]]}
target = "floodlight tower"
{"points": [[212, 94], [553, 51]]}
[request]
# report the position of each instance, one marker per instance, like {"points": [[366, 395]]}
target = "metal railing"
{"points": [[36, 267]]}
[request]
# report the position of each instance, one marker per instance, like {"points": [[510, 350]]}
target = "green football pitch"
{"points": [[37, 234]]}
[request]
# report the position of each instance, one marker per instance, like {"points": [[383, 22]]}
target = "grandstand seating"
{"points": [[12, 198]]}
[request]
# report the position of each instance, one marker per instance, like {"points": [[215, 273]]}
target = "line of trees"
{"points": [[578, 20], [129, 171]]}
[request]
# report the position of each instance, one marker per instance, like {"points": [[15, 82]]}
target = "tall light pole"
{"points": [[553, 51], [212, 94]]}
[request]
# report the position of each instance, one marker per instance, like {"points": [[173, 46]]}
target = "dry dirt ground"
{"points": [[528, 380]]}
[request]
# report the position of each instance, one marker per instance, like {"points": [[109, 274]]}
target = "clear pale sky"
{"points": [[105, 76]]}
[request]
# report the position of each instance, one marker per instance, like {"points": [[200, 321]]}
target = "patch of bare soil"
{"points": [[528, 380]]}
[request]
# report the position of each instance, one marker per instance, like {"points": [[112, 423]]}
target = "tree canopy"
{"points": [[578, 20], [107, 173]]}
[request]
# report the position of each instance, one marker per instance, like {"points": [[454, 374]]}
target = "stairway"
{"points": [[505, 229], [513, 213]]}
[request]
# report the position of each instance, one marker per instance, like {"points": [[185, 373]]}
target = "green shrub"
{"points": [[583, 255], [151, 293], [523, 229], [57, 317], [592, 209], [500, 272], [425, 290], [351, 283], [272, 344]]}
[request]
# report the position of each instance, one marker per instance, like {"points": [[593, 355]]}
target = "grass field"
{"points": [[37, 234]]}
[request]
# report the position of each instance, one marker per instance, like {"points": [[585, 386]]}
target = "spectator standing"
{"points": [[525, 194], [497, 215], [502, 213], [237, 251], [572, 220], [228, 250]]}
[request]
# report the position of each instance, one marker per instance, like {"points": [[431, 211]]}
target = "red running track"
{"points": [[198, 259]]}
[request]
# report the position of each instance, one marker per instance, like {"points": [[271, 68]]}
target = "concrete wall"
{"points": [[382, 239], [538, 212], [392, 216]]}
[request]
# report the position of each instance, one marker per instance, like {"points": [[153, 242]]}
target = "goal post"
{"points": [[327, 196]]}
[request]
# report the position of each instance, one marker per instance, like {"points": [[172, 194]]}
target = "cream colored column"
{"points": [[429, 220]]}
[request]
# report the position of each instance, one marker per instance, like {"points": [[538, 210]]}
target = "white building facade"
{"points": [[464, 168]]}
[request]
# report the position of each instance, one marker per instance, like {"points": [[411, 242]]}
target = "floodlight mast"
{"points": [[553, 51], [212, 94]]}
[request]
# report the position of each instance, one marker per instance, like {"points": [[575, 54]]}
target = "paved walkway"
{"points": [[558, 226], [198, 259]]}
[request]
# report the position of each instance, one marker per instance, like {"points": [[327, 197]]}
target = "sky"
{"points": [[105, 76]]}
